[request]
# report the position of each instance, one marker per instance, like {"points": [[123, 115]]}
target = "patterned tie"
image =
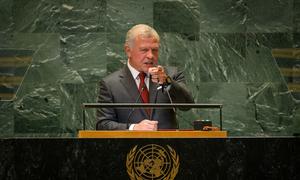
{"points": [[143, 88], [144, 91]]}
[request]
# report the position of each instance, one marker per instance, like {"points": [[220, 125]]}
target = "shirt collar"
{"points": [[135, 73]]}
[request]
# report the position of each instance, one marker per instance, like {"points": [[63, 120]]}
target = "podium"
{"points": [[152, 134], [107, 158]]}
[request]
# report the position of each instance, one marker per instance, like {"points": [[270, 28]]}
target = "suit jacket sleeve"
{"points": [[178, 90], [107, 117]]}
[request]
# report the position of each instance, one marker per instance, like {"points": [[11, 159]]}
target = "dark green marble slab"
{"points": [[36, 16], [270, 16], [6, 25], [296, 18], [85, 54], [6, 119], [223, 16], [176, 16]]}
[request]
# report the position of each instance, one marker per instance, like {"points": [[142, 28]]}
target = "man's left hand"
{"points": [[158, 74]]}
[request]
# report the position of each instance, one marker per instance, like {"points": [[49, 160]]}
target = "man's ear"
{"points": [[127, 50]]}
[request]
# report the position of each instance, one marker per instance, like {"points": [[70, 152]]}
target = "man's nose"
{"points": [[150, 54]]}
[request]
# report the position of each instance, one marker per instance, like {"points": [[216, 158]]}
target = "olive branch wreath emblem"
{"points": [[134, 176]]}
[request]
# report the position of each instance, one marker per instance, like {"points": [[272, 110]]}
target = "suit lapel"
{"points": [[129, 83]]}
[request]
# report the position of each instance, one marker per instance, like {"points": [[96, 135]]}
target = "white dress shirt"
{"points": [[135, 74]]}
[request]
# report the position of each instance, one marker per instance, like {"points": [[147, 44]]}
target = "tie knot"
{"points": [[142, 76]]}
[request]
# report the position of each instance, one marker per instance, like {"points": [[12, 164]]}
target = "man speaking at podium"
{"points": [[142, 80]]}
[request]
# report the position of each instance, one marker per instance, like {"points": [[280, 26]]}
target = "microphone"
{"points": [[133, 109], [165, 85], [164, 89], [155, 100], [160, 85], [171, 101]]}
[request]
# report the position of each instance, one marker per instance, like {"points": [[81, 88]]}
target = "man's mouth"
{"points": [[149, 63]]}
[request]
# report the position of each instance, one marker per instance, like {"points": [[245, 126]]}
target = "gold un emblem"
{"points": [[152, 162]]}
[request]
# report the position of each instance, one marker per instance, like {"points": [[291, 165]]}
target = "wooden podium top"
{"points": [[152, 134]]}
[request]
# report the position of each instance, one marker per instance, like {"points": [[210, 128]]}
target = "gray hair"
{"points": [[140, 30]]}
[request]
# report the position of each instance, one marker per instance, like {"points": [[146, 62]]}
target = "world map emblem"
{"points": [[152, 162]]}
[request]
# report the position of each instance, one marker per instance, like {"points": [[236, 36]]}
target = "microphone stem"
{"points": [[152, 109], [173, 107], [133, 109]]}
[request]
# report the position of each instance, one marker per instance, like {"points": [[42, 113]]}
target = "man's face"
{"points": [[143, 54]]}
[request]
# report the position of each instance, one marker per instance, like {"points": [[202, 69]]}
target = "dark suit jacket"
{"points": [[120, 87]]}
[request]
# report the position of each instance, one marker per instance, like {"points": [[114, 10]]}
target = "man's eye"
{"points": [[154, 50]]}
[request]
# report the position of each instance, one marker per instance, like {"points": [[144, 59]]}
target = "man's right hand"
{"points": [[146, 125]]}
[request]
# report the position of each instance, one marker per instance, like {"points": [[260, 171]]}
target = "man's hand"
{"points": [[146, 125], [158, 74]]}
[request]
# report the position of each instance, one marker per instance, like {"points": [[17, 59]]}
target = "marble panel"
{"points": [[223, 16], [122, 15], [214, 58], [72, 96], [85, 54], [47, 65], [36, 16], [177, 16], [296, 18], [82, 16], [6, 119], [6, 17], [37, 109], [269, 16], [262, 66]]}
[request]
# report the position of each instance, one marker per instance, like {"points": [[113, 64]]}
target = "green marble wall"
{"points": [[225, 48]]}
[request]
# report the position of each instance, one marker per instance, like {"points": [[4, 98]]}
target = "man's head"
{"points": [[141, 47]]}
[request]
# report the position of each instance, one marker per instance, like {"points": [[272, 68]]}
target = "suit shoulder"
{"points": [[171, 70], [113, 76]]}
